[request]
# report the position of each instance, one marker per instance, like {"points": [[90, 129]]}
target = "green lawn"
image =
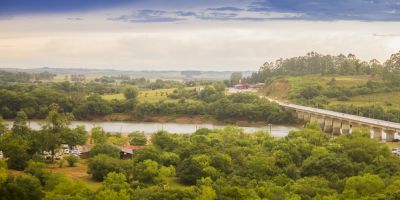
{"points": [[383, 99], [144, 95]]}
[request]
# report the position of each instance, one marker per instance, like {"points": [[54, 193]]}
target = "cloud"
{"points": [[74, 18], [152, 16], [326, 10], [15, 7], [217, 14], [386, 35]]}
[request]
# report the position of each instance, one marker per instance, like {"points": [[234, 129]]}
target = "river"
{"points": [[151, 127]]}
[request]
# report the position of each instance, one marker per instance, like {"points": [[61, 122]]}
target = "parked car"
{"points": [[396, 151], [76, 152], [66, 151]]}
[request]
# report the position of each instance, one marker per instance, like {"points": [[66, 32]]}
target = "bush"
{"points": [[72, 160], [104, 148], [137, 138], [101, 165]]}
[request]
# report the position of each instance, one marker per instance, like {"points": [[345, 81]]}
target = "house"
{"points": [[241, 86], [125, 151]]}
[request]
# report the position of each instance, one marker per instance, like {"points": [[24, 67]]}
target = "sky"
{"points": [[191, 35]]}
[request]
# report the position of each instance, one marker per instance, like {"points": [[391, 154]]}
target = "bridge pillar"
{"points": [[321, 122], [377, 133], [313, 118], [390, 135], [300, 116], [306, 117], [354, 125], [345, 127], [336, 127], [328, 123]]}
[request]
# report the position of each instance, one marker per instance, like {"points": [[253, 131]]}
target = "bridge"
{"points": [[338, 123]]}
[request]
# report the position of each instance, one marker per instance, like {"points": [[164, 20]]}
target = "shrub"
{"points": [[72, 160]]}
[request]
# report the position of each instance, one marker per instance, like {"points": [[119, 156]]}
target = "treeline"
{"points": [[209, 101], [320, 96], [226, 164], [315, 63], [85, 102], [24, 77]]}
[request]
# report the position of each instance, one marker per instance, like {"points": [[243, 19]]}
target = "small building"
{"points": [[241, 86], [125, 151]]}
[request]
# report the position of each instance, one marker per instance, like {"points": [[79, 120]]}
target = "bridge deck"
{"points": [[344, 116]]}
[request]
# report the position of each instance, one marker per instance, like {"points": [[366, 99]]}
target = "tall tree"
{"points": [[55, 126]]}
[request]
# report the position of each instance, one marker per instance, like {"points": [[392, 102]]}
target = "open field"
{"points": [[282, 87], [144, 95], [389, 99], [79, 172]]}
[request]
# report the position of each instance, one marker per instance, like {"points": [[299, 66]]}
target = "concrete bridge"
{"points": [[338, 123]]}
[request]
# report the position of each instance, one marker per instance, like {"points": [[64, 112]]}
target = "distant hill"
{"points": [[169, 74]]}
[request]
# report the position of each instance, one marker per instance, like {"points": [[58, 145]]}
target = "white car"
{"points": [[76, 152], [66, 151], [396, 151]]}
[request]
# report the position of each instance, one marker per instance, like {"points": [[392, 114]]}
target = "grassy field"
{"points": [[389, 99], [144, 95], [79, 172], [282, 87]]}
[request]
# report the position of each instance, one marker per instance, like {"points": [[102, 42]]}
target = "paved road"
{"points": [[353, 118]]}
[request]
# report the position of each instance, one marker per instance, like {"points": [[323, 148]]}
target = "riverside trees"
{"points": [[228, 164]]}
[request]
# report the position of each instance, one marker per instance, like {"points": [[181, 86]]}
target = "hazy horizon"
{"points": [[191, 35]]}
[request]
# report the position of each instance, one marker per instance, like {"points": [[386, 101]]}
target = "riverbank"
{"points": [[179, 119]]}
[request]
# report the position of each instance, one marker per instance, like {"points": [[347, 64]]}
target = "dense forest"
{"points": [[315, 63], [208, 164], [383, 78], [84, 100]]}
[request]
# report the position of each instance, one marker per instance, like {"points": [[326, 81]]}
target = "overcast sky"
{"points": [[191, 35]]}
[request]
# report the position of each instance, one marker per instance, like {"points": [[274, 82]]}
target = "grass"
{"points": [[144, 95], [382, 99], [283, 87], [79, 172]]}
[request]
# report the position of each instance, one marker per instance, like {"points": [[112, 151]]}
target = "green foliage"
{"points": [[72, 160], [77, 136], [106, 149], [100, 165], [137, 138], [148, 172], [131, 92]]}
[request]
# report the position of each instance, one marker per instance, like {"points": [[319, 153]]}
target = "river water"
{"points": [[152, 127]]}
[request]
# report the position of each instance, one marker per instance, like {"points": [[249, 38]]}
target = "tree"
{"points": [[236, 77], [25, 187], [77, 136], [69, 189], [15, 148], [55, 126], [137, 138], [3, 126], [363, 186], [98, 135], [20, 126], [131, 92], [100, 165], [392, 69], [116, 181], [148, 172], [106, 149]]}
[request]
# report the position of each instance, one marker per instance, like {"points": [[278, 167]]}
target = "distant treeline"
{"points": [[24, 77], [85, 102], [315, 63]]}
